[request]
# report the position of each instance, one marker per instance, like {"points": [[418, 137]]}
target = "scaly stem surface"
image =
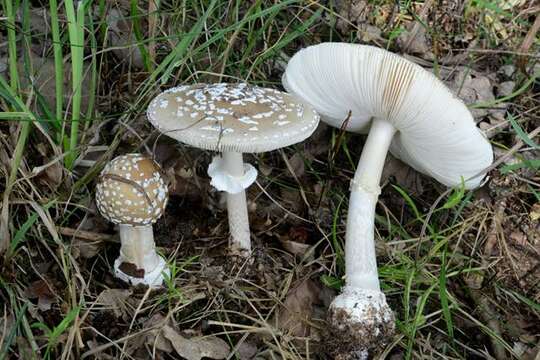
{"points": [[360, 258], [237, 205]]}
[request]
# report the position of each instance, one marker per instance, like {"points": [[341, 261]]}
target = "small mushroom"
{"points": [[407, 111], [131, 193], [232, 119]]}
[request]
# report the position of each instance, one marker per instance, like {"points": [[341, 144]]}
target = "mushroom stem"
{"points": [[237, 205], [360, 259], [360, 313], [138, 248]]}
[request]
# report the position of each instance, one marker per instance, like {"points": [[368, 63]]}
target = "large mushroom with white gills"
{"points": [[233, 119], [132, 194], [404, 109]]}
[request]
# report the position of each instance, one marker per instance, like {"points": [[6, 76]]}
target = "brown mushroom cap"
{"points": [[131, 191], [232, 117]]}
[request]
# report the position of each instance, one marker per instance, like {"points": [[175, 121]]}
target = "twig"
{"points": [[86, 235], [527, 42]]}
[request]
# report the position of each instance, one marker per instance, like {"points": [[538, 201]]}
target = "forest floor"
{"points": [[461, 272]]}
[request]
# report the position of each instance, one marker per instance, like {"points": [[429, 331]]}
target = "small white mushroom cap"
{"points": [[436, 133], [232, 117], [131, 191]]}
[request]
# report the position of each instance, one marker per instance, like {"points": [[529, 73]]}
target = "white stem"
{"points": [[360, 258], [237, 205], [138, 247]]}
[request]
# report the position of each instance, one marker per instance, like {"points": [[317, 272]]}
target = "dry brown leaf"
{"points": [[297, 165], [294, 315], [351, 11], [85, 248], [123, 39], [197, 348], [155, 338], [114, 300], [296, 241], [88, 238], [415, 42], [43, 80], [473, 89], [406, 177], [42, 291], [54, 174], [246, 350]]}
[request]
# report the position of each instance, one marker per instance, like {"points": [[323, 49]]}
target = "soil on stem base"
{"points": [[360, 325]]}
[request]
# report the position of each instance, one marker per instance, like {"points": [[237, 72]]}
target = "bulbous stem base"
{"points": [[153, 279], [360, 323], [138, 262]]}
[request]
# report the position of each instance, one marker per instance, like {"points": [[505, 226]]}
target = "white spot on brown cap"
{"points": [[125, 181]]}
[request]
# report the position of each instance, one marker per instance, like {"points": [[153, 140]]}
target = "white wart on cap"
{"points": [[232, 117], [131, 191], [436, 133]]}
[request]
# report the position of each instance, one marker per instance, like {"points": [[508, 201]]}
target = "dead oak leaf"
{"points": [[196, 348]]}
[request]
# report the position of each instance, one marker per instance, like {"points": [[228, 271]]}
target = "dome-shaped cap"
{"points": [[232, 117], [436, 132], [131, 191]]}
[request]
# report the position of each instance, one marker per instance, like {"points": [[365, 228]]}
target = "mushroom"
{"points": [[131, 193], [232, 119], [406, 110]]}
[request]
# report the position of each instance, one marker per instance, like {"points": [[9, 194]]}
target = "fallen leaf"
{"points": [[505, 88], [297, 165], [351, 11], [473, 89], [405, 176], [43, 80], [518, 238], [197, 348], [42, 291], [114, 300], [294, 316], [122, 38], [155, 338], [415, 43], [296, 241], [370, 34], [88, 238], [246, 350]]}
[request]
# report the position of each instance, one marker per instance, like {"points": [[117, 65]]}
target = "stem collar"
{"points": [[224, 181]]}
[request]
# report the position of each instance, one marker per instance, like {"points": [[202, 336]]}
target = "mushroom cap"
{"points": [[436, 133], [131, 191], [232, 117]]}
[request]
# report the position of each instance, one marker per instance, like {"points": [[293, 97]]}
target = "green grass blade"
{"points": [[137, 31], [58, 65], [12, 45], [21, 233], [443, 295], [521, 133], [287, 39], [75, 18]]}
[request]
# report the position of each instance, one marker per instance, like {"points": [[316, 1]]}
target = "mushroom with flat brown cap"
{"points": [[131, 193], [233, 119], [406, 110]]}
